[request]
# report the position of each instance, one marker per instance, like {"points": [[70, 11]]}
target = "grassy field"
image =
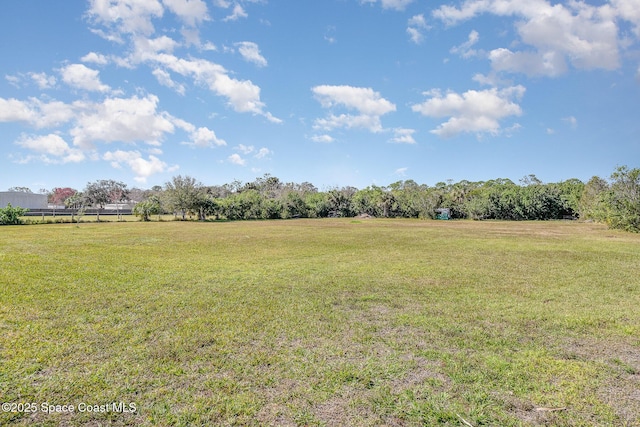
{"points": [[334, 322]]}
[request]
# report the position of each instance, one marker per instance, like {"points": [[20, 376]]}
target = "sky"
{"points": [[332, 92]]}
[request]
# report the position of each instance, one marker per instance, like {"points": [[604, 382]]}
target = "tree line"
{"points": [[614, 201]]}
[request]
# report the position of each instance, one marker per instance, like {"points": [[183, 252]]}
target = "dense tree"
{"points": [[96, 194], [75, 203], [570, 193], [318, 205], [104, 191], [592, 202], [616, 202], [58, 197], [182, 194], [623, 200], [340, 202], [21, 189]]}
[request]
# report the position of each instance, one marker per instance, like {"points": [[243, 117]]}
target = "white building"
{"points": [[23, 200]]}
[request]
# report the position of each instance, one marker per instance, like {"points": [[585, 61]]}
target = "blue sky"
{"points": [[334, 92]]}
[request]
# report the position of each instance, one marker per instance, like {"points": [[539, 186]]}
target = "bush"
{"points": [[11, 215]]}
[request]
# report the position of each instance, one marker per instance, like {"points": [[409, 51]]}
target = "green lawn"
{"points": [[332, 322]]}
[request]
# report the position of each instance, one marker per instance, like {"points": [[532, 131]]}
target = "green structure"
{"points": [[443, 213]]}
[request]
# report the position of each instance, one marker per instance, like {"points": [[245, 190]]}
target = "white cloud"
{"points": [[237, 160], [329, 34], [238, 12], [148, 49], [221, 3], [121, 119], [403, 136], [126, 16], [572, 121], [13, 110], [365, 100], [391, 4], [262, 153], [35, 112], [418, 21], [82, 77], [133, 19], [246, 149], [628, 10], [368, 103], [13, 80], [464, 49], [401, 171], [204, 137], [95, 58], [349, 121], [548, 64], [164, 78], [584, 35], [250, 149], [416, 25], [141, 167], [43, 80], [51, 145], [473, 111], [415, 35], [192, 12], [322, 138], [251, 52], [243, 95]]}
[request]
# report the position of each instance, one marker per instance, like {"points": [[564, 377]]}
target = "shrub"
{"points": [[11, 215]]}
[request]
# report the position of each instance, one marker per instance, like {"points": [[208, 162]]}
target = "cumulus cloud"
{"points": [[262, 153], [369, 105], [237, 13], [121, 119], [35, 112], [583, 35], [243, 95], [113, 120], [322, 138], [472, 111], [124, 120], [548, 64], [251, 52], [465, 49], [250, 149], [365, 100], [95, 58], [141, 167], [132, 20], [201, 137], [236, 159], [415, 28], [82, 77], [127, 16], [390, 4], [192, 12], [164, 78], [403, 136], [43, 80], [51, 145]]}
